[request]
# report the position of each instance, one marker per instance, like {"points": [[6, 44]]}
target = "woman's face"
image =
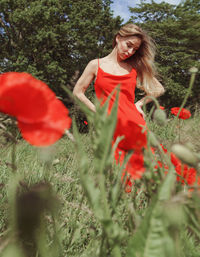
{"points": [[127, 46]]}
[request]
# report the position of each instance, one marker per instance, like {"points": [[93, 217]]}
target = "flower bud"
{"points": [[185, 154], [193, 70], [189, 145], [160, 117]]}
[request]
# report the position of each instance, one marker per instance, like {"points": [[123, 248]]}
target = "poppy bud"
{"points": [[193, 70], [185, 154], [160, 117]]}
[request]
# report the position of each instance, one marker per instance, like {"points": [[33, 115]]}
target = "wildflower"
{"points": [[41, 117], [184, 114], [135, 166], [85, 122], [162, 107], [188, 174]]}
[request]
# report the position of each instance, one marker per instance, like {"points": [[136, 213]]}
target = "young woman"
{"points": [[130, 64]]}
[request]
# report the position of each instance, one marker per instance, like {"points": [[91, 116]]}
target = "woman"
{"points": [[130, 64]]}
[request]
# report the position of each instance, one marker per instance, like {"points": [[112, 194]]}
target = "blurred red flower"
{"points": [[86, 123], [41, 117], [189, 174], [160, 164], [162, 107], [184, 114], [135, 166]]}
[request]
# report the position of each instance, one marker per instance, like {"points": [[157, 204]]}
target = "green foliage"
{"points": [[176, 31]]}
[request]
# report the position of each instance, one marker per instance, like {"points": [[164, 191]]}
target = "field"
{"points": [[78, 215]]}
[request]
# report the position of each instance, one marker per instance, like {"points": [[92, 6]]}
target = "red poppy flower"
{"points": [[41, 117], [85, 122], [160, 164], [189, 174], [24, 97], [184, 114], [135, 166], [162, 107]]}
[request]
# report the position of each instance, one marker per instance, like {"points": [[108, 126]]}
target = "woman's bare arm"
{"points": [[83, 82]]}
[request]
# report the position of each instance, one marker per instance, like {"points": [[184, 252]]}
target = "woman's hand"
{"points": [[139, 108]]}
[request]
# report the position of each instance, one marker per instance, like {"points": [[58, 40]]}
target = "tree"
{"points": [[52, 39], [176, 31]]}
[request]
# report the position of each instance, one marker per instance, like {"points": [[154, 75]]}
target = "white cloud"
{"points": [[120, 7]]}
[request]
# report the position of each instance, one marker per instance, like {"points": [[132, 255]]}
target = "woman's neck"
{"points": [[114, 56]]}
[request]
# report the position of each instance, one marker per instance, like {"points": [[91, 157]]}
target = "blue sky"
{"points": [[120, 7]]}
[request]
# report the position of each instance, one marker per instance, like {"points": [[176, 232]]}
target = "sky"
{"points": [[120, 7]]}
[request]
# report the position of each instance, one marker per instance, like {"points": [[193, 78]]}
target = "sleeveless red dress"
{"points": [[129, 120]]}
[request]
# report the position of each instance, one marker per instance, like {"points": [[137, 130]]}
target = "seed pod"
{"points": [[160, 117], [184, 154]]}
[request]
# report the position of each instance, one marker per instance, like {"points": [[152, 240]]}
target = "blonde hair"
{"points": [[143, 59]]}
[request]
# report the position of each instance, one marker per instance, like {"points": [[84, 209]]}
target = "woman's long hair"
{"points": [[143, 59]]}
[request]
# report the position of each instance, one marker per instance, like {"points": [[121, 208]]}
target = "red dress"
{"points": [[129, 120]]}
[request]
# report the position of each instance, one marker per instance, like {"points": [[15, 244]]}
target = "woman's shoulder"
{"points": [[93, 64]]}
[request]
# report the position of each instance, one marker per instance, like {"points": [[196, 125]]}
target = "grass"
{"points": [[78, 228]]}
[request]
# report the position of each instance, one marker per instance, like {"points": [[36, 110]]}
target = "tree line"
{"points": [[54, 40]]}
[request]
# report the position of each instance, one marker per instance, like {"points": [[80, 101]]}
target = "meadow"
{"points": [[73, 198], [72, 224]]}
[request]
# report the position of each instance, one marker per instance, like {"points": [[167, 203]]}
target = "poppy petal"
{"points": [[23, 96], [51, 129]]}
